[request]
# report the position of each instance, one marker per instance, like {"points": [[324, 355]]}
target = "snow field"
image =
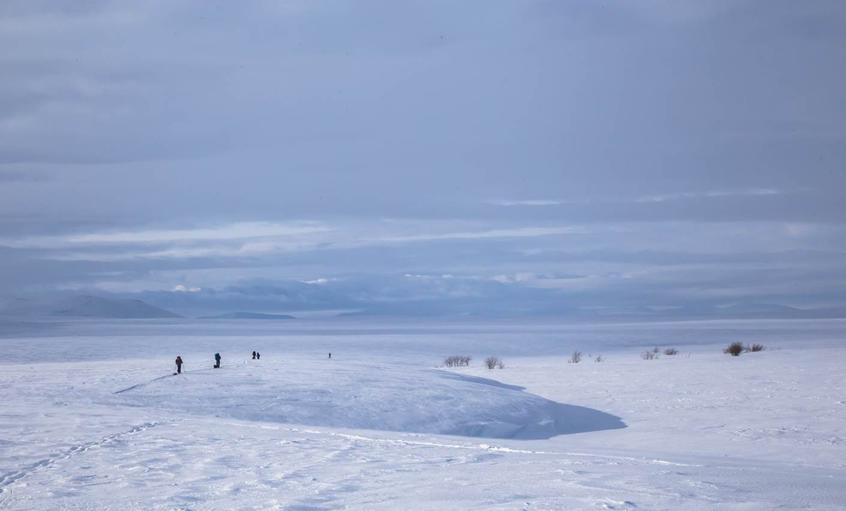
{"points": [[371, 431]]}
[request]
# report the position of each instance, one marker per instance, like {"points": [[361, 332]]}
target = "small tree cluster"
{"points": [[649, 355], [734, 349], [494, 363], [575, 358], [671, 351], [457, 361]]}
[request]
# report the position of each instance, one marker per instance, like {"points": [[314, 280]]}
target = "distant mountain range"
{"points": [[85, 306], [622, 313], [755, 311], [116, 307], [90, 306], [248, 315]]}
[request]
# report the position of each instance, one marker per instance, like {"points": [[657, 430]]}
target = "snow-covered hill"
{"points": [[353, 394]]}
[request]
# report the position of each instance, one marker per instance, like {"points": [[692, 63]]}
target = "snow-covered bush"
{"points": [[755, 347], [598, 358], [671, 351], [457, 361], [734, 349], [494, 363], [576, 357]]}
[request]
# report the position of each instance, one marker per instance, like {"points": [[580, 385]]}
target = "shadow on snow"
{"points": [[426, 402], [556, 419]]}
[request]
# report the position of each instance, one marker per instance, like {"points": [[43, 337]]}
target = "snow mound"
{"points": [[366, 396]]}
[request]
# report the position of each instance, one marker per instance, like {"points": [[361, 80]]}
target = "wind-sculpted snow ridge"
{"points": [[367, 396]]}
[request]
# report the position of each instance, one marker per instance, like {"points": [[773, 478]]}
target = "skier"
{"points": [[330, 355], [254, 355], [178, 364], [258, 356], [217, 360]]}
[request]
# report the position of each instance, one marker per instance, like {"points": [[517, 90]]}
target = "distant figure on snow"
{"points": [[330, 355], [258, 356], [254, 355], [217, 360], [178, 364]]}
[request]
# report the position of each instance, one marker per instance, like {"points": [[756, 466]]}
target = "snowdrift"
{"points": [[331, 393]]}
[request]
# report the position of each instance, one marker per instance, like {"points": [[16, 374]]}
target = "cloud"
{"points": [[19, 176], [645, 199], [521, 232], [317, 281], [181, 288], [228, 232], [256, 239], [350, 141], [530, 202], [753, 192], [666, 263]]}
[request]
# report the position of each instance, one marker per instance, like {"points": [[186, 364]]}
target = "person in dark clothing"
{"points": [[178, 364], [330, 355], [258, 356], [216, 360], [254, 355]]}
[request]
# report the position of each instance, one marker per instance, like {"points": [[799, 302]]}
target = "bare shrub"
{"points": [[457, 361], [500, 365], [649, 355], [734, 349], [493, 363], [576, 357], [755, 347], [598, 358], [671, 351]]}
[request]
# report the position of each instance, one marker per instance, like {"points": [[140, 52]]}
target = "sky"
{"points": [[540, 156]]}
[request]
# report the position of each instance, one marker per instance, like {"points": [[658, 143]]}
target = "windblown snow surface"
{"points": [[92, 417]]}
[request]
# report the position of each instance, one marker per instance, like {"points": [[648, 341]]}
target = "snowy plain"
{"points": [[92, 418]]}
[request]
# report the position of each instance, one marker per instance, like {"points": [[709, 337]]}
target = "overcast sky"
{"points": [[590, 153]]}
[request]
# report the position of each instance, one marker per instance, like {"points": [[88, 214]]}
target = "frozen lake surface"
{"points": [[92, 417]]}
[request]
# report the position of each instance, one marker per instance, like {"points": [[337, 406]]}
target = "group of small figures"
{"points": [[256, 356], [217, 357]]}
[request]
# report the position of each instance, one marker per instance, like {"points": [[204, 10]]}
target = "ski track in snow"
{"points": [[144, 384], [10, 478], [148, 382]]}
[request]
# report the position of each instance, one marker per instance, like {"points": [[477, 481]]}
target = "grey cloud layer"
{"points": [[145, 146]]}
